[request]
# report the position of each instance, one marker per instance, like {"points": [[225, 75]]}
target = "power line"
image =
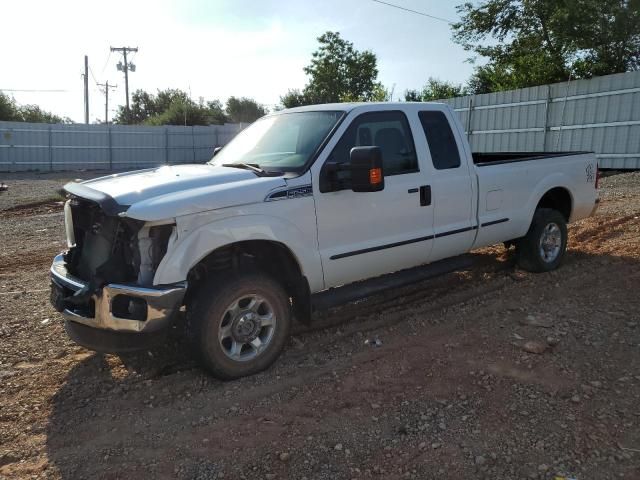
{"points": [[93, 76], [106, 63], [413, 11]]}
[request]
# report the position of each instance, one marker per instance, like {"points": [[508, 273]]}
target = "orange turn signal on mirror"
{"points": [[375, 176]]}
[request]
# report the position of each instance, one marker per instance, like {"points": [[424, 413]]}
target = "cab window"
{"points": [[387, 130]]}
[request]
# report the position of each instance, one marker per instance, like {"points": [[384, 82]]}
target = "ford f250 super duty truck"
{"points": [[305, 207]]}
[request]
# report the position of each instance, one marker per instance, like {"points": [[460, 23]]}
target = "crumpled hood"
{"points": [[172, 191]]}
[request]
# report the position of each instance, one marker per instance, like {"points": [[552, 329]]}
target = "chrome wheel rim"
{"points": [[550, 242], [247, 327]]}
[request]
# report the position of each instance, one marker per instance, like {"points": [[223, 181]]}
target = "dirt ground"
{"points": [[450, 393]]}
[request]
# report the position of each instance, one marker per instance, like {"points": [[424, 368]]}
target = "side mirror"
{"points": [[215, 151], [367, 174]]}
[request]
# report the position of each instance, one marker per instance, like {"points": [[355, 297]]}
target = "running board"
{"points": [[365, 288]]}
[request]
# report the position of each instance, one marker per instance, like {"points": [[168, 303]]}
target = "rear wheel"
{"points": [[239, 327], [542, 248]]}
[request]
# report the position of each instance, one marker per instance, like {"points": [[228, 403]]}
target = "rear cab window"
{"points": [[440, 138]]}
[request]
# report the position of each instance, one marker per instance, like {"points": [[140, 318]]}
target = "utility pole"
{"points": [[86, 89], [106, 99], [126, 67]]}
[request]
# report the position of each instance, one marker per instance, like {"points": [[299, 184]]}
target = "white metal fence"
{"points": [[600, 115], [57, 147]]}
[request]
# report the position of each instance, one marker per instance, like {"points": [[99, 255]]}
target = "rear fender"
{"points": [[549, 182]]}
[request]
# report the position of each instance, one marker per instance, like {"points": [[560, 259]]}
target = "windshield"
{"points": [[281, 142]]}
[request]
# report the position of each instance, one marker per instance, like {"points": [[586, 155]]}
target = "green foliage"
{"points": [[171, 107], [217, 115], [143, 106], [338, 73], [181, 112], [412, 95], [244, 110], [8, 108], [12, 112], [435, 90], [607, 37], [293, 98], [380, 93], [533, 42]]}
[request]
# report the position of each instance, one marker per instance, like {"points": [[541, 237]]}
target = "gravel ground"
{"points": [[454, 391], [35, 188]]}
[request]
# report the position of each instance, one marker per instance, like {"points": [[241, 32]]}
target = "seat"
{"points": [[394, 150]]}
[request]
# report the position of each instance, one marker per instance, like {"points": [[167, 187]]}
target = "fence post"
{"points": [[469, 119], [193, 144], [109, 147], [547, 108], [166, 145], [11, 150], [50, 150]]}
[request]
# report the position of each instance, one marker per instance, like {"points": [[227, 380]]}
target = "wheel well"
{"points": [[273, 258], [559, 199]]}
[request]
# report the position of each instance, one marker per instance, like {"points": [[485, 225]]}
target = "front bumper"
{"points": [[96, 326]]}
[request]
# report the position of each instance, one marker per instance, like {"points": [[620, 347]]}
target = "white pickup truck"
{"points": [[305, 208]]}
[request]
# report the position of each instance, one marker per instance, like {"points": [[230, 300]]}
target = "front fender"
{"points": [[194, 242]]}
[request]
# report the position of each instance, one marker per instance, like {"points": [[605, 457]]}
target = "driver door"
{"points": [[366, 234]]}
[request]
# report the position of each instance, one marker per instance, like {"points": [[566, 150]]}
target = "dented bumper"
{"points": [[115, 317]]}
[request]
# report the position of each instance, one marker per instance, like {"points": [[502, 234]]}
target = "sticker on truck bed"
{"points": [[590, 173]]}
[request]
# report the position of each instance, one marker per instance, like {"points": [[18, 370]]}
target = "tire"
{"points": [[542, 249], [226, 317]]}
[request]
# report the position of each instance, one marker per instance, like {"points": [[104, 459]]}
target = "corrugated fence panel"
{"points": [[601, 115], [73, 145], [24, 147], [142, 147], [39, 146]]}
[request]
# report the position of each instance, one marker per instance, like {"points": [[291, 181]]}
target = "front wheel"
{"points": [[543, 247], [239, 326]]}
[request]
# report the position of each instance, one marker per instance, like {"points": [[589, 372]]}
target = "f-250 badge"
{"points": [[589, 171]]}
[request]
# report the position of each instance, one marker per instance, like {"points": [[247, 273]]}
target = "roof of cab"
{"points": [[347, 107]]}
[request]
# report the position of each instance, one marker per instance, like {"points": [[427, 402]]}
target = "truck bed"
{"points": [[482, 159]]}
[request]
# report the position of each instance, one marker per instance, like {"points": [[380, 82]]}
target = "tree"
{"points": [[378, 94], [143, 106], [244, 110], [533, 42], [8, 108], [181, 112], [338, 73], [607, 37], [435, 90], [293, 98], [170, 107], [412, 95], [217, 115], [11, 111]]}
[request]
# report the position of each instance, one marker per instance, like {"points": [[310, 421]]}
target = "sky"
{"points": [[212, 49]]}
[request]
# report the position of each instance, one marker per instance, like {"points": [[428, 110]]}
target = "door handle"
{"points": [[425, 195]]}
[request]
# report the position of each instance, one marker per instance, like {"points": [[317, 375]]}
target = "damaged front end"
{"points": [[103, 284]]}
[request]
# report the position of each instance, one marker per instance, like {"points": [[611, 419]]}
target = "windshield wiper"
{"points": [[254, 167]]}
